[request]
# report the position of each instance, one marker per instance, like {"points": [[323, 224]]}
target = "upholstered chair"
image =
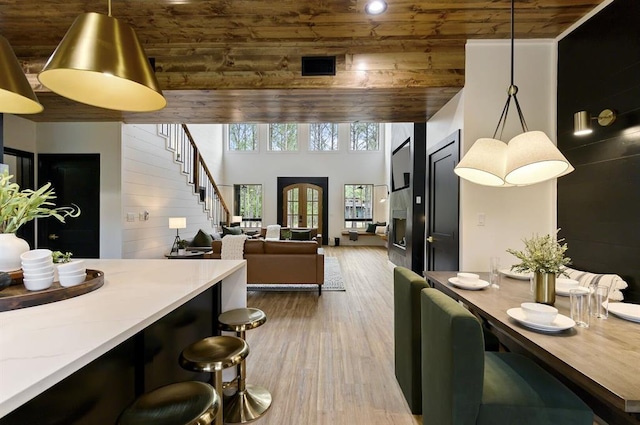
{"points": [[464, 385]]}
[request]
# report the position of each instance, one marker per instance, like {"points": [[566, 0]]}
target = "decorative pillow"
{"points": [[381, 223], [613, 281], [202, 239], [301, 235], [371, 228], [285, 234], [381, 230], [216, 236], [227, 230]]}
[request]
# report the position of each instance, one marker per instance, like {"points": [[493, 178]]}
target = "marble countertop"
{"points": [[41, 345]]}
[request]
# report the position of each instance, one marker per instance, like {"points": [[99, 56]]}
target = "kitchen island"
{"points": [[43, 345]]}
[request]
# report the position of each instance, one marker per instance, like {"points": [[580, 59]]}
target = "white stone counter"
{"points": [[41, 345]]}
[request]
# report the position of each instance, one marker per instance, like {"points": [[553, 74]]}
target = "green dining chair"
{"points": [[406, 325], [462, 384]]}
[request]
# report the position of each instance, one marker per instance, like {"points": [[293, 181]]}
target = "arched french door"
{"points": [[302, 206]]}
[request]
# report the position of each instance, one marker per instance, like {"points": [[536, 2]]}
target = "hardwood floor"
{"points": [[329, 359]]}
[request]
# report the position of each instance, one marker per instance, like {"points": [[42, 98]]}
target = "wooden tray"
{"points": [[17, 296]]}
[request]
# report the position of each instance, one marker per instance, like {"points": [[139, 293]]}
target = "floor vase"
{"points": [[11, 247]]}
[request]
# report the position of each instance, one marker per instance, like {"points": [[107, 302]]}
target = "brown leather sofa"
{"points": [[280, 262]]}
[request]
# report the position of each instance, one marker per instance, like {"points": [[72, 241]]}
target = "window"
{"points": [[283, 137], [323, 137], [243, 137], [249, 204], [358, 211], [364, 136]]}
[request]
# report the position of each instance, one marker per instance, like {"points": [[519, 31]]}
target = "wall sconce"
{"points": [[385, 195], [582, 121], [177, 223]]}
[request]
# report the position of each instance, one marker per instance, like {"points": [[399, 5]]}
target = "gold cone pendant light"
{"points": [[100, 62], [16, 95], [528, 158]]}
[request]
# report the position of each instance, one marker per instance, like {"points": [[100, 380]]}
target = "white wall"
{"points": [[96, 138], [19, 133], [342, 167], [151, 181], [510, 213]]}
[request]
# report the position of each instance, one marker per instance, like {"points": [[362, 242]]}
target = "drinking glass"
{"points": [[599, 304], [494, 272], [579, 300]]}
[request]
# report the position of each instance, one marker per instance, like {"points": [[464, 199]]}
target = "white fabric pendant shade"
{"points": [[533, 158], [100, 62], [484, 163]]}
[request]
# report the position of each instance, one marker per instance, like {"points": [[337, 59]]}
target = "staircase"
{"points": [[185, 151]]}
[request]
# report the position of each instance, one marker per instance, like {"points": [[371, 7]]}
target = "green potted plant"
{"points": [[544, 256], [18, 207]]}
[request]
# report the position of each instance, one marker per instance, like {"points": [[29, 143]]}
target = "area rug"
{"points": [[332, 281]]}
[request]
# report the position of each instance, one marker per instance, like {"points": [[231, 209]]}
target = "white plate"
{"points": [[472, 287], [626, 311], [515, 275], [560, 323], [564, 290]]}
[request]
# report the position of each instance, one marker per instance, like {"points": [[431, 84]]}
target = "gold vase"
{"points": [[545, 288]]}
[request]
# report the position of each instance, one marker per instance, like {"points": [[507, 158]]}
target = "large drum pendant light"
{"points": [[100, 62], [528, 158], [16, 95]]}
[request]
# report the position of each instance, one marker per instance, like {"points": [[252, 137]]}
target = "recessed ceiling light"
{"points": [[375, 7]]}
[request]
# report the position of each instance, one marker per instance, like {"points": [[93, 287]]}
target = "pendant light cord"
{"points": [[512, 91], [110, 10]]}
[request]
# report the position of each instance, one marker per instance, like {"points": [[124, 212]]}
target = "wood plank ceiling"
{"points": [[226, 61]]}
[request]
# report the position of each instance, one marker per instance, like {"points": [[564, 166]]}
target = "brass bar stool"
{"points": [[182, 403], [212, 355], [250, 401]]}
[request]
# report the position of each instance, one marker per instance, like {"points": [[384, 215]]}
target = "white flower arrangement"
{"points": [[544, 254]]}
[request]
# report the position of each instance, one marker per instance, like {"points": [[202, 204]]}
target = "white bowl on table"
{"points": [[67, 280], [539, 313], [38, 269], [36, 256], [72, 267], [26, 275], [37, 284]]}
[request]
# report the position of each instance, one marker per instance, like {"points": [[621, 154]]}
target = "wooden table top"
{"points": [[604, 359]]}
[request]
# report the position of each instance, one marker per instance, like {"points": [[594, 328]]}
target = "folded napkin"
{"points": [[232, 247], [613, 281]]}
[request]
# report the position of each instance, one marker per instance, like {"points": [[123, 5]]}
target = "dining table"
{"points": [[600, 363]]}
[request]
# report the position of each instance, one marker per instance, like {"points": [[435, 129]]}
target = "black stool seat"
{"points": [[182, 403], [241, 319]]}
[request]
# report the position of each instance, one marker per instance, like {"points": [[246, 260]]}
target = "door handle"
{"points": [[430, 239], [53, 236]]}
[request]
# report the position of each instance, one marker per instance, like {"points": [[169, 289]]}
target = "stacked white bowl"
{"points": [[72, 273], [37, 269]]}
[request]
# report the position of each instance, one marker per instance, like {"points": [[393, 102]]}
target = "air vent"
{"points": [[318, 65]]}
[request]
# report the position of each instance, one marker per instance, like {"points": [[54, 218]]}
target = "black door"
{"points": [[442, 242], [76, 180]]}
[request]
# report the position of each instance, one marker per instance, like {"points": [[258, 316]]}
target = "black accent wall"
{"points": [[599, 203], [404, 202]]}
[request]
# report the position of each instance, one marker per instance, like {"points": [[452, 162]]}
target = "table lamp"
{"points": [[177, 223]]}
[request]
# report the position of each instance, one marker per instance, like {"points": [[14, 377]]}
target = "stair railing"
{"points": [[181, 143]]}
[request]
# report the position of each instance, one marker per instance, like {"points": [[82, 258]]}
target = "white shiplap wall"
{"points": [[151, 182]]}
